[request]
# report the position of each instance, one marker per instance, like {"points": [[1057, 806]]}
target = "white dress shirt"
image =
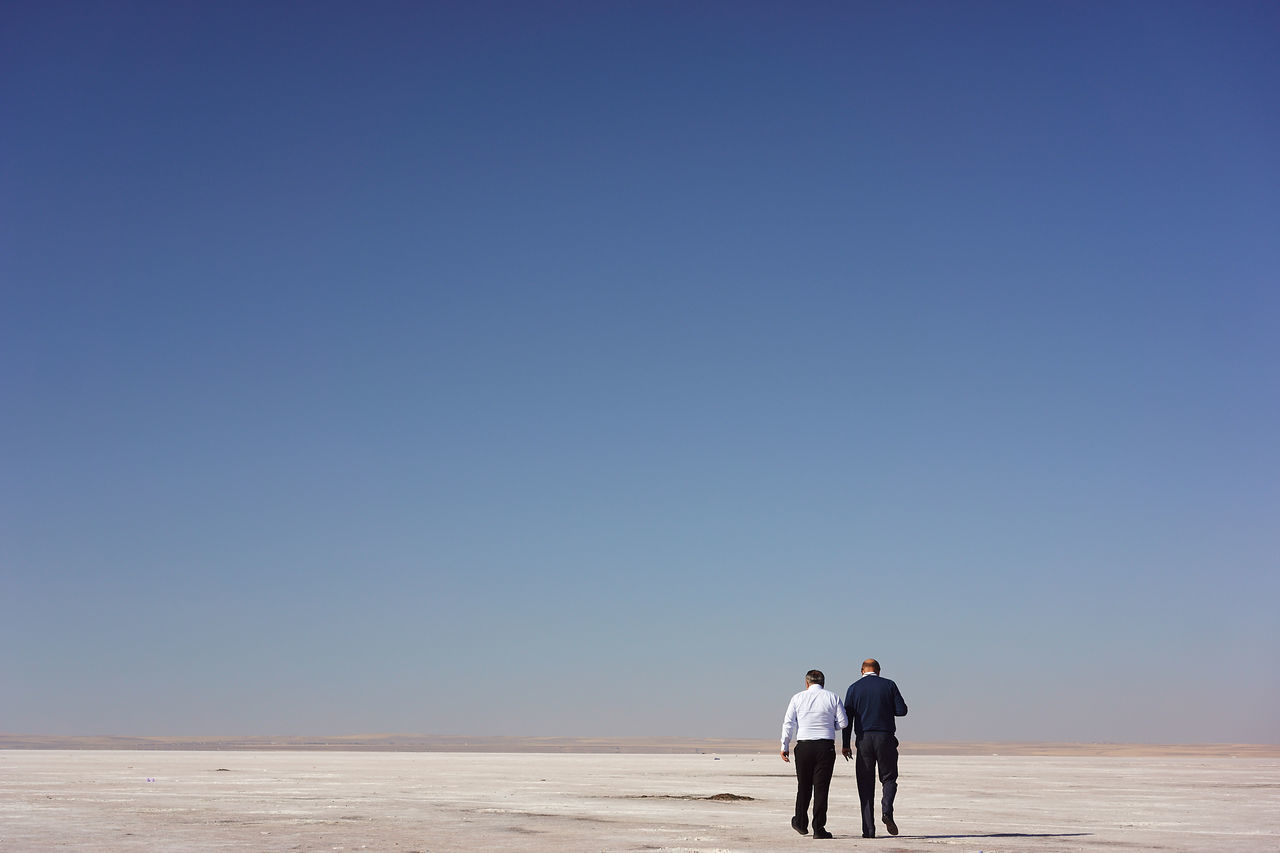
{"points": [[814, 714]]}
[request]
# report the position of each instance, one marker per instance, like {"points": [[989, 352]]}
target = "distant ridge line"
{"points": [[626, 745]]}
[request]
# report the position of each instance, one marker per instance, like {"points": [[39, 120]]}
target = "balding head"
{"points": [[871, 665]]}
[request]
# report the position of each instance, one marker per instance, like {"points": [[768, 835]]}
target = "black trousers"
{"points": [[876, 750], [815, 761]]}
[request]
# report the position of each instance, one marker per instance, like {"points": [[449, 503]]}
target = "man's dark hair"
{"points": [[871, 664], [815, 676]]}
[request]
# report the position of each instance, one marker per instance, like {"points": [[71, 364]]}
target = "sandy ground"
{"points": [[283, 801]]}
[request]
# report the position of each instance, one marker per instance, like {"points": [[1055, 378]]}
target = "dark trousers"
{"points": [[815, 761], [876, 749]]}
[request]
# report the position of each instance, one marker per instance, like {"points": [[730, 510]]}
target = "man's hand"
{"points": [[786, 756], [848, 753]]}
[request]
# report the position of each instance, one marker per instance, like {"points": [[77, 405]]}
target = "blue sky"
{"points": [[599, 368]]}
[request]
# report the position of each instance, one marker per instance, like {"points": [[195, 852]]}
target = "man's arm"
{"points": [[790, 724], [842, 723], [899, 704], [846, 731]]}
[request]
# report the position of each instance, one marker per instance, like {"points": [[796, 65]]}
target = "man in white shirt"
{"points": [[813, 718]]}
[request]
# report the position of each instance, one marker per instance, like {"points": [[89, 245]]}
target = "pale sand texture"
{"points": [[430, 801]]}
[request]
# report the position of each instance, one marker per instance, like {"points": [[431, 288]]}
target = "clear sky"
{"points": [[598, 368]]}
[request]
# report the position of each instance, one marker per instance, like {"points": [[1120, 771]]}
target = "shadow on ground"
{"points": [[1004, 835]]}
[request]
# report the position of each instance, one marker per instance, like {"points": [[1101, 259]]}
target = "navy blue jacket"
{"points": [[872, 702]]}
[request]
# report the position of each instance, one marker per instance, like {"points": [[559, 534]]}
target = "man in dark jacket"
{"points": [[872, 703]]}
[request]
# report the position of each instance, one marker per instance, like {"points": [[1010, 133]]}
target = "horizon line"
{"points": [[632, 744]]}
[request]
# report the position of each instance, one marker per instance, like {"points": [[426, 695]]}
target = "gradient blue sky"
{"points": [[599, 368]]}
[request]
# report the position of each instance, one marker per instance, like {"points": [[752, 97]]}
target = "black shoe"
{"points": [[798, 826], [822, 833], [868, 835], [891, 826]]}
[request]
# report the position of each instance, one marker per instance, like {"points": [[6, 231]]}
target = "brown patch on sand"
{"points": [[719, 798]]}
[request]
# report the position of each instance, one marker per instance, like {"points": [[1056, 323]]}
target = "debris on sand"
{"points": [[719, 798]]}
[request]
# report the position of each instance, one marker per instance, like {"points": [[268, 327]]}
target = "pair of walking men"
{"points": [[867, 712]]}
